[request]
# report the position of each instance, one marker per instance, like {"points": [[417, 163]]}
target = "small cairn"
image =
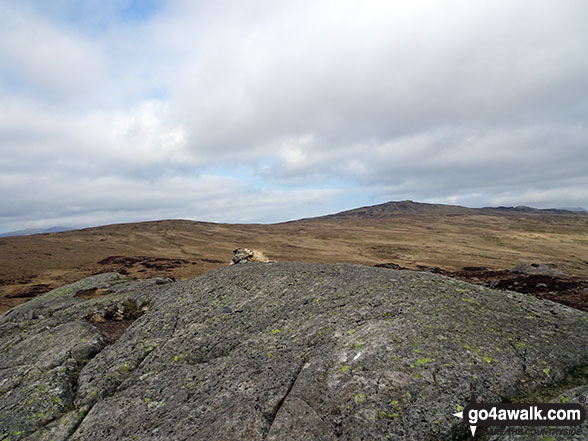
{"points": [[245, 255]]}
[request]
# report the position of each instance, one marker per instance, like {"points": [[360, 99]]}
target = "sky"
{"points": [[263, 111]]}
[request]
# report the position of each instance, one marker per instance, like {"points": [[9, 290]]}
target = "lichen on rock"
{"points": [[277, 352]]}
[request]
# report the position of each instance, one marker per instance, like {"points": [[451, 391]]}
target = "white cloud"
{"points": [[46, 61], [57, 199], [470, 102], [346, 71], [94, 142]]}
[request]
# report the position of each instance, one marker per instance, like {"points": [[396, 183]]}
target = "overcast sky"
{"points": [[265, 111]]}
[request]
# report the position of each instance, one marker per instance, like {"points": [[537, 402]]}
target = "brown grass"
{"points": [[183, 249]]}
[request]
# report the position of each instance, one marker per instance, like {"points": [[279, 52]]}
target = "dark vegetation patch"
{"points": [[30, 291], [161, 263], [530, 284], [388, 265], [568, 290], [16, 280], [212, 261], [119, 260], [474, 268], [555, 286], [147, 262]]}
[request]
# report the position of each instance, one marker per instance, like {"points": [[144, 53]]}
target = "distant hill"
{"points": [[524, 209], [394, 208], [405, 233], [575, 209], [31, 231], [410, 208]]}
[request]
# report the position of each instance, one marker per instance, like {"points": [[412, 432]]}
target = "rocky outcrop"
{"points": [[245, 255], [286, 351], [537, 269]]}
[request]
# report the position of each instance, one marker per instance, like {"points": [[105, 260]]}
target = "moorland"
{"points": [[478, 245]]}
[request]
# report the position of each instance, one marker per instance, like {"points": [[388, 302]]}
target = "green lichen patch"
{"points": [[544, 394], [279, 351]]}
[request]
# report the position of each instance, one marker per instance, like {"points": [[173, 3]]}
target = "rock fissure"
{"points": [[177, 319], [317, 413], [118, 387], [189, 368], [150, 353], [73, 375], [78, 423], [523, 356], [275, 412]]}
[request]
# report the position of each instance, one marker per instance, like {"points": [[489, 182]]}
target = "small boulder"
{"points": [[537, 269], [245, 255]]}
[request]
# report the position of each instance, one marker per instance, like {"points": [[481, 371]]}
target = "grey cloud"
{"points": [[462, 102], [383, 77], [46, 62], [58, 199], [453, 162]]}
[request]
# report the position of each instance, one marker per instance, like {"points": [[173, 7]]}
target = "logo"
{"points": [[520, 414]]}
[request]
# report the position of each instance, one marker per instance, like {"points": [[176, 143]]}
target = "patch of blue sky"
{"points": [[11, 83], [260, 174], [242, 173], [157, 93], [139, 10], [339, 183], [92, 17], [315, 182]]}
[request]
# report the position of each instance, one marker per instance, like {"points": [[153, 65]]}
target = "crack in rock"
{"points": [[194, 369], [272, 417]]}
